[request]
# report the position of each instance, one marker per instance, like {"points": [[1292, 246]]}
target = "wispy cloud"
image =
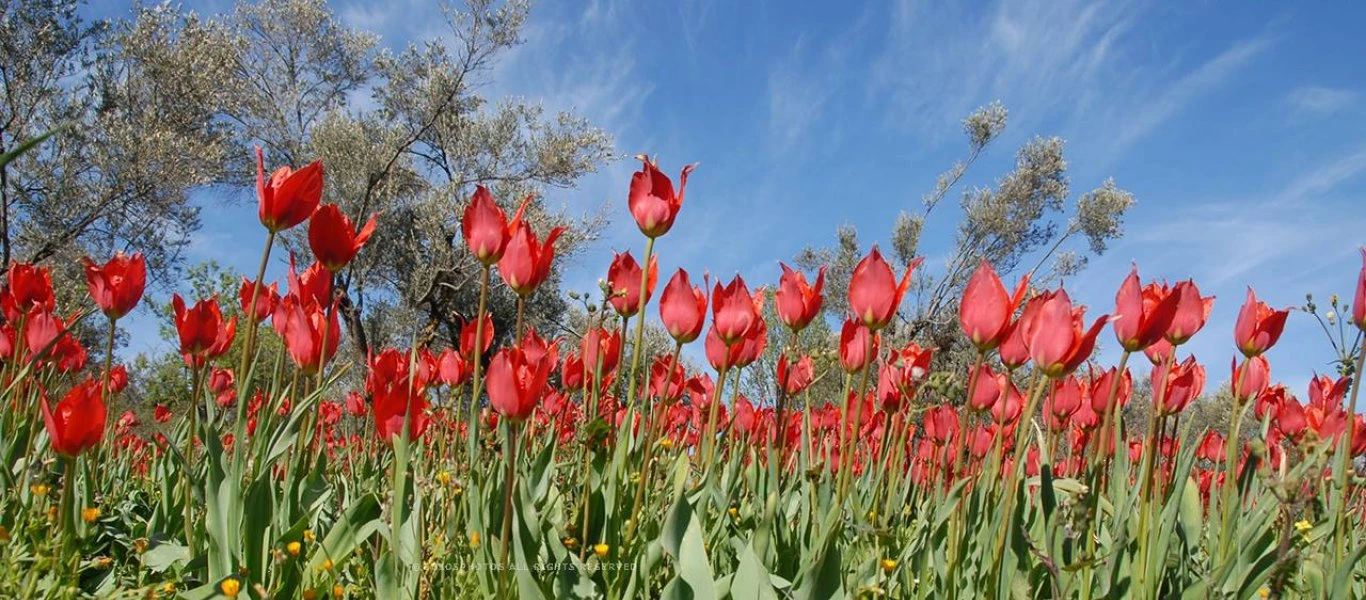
{"points": [[1319, 99], [1325, 178], [1156, 110]]}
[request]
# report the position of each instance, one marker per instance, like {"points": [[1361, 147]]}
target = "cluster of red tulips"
{"points": [[1033, 370]]}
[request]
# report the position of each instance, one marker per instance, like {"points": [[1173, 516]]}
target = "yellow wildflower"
{"points": [[888, 565], [293, 548], [90, 515], [230, 587], [601, 550]]}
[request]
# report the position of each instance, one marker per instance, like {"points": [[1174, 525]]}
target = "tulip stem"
{"points": [[1017, 458], [1342, 476], [477, 355], [644, 296], [508, 482], [189, 459], [846, 446], [634, 519], [709, 439], [243, 381], [521, 315], [1226, 530]]}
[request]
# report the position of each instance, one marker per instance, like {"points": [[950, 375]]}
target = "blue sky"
{"points": [[1239, 128]]}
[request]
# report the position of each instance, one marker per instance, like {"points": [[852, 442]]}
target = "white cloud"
{"points": [[1156, 110], [1320, 100]]}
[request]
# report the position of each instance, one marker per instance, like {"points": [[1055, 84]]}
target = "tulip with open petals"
{"points": [[77, 422], [652, 200], [798, 303], [1258, 326], [333, 237], [117, 285], [289, 197]]}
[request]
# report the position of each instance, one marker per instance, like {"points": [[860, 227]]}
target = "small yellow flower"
{"points": [[666, 443], [570, 542], [327, 564], [90, 515], [444, 477], [38, 489], [293, 548], [103, 562], [1263, 592], [888, 565], [308, 536], [1303, 526], [872, 515], [338, 591], [230, 587], [635, 477], [601, 550], [474, 539], [140, 545], [734, 512], [168, 587], [457, 491]]}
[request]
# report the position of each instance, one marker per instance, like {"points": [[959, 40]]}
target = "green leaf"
{"points": [[165, 556], [682, 540], [751, 578]]}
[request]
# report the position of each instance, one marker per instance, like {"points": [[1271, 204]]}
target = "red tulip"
{"points": [[1014, 351], [667, 385], [77, 424], [392, 368], [572, 373], [526, 261], [302, 325], [26, 287], [854, 354], [1143, 314], [1056, 335], [1211, 447], [1192, 311], [486, 228], [1328, 393], [1290, 418], [1359, 303], [221, 383], [1180, 384], [1007, 409], [118, 379], [682, 308], [515, 384], [452, 368], [1063, 401], [1270, 400], [290, 196], [624, 278], [333, 238], [720, 355], [985, 310], [117, 286], [313, 285], [266, 299], [752, 346], [798, 303], [795, 377], [203, 334], [940, 424], [1250, 378], [652, 201], [1160, 351], [1102, 384], [396, 405], [1258, 326], [161, 414], [601, 352], [734, 309], [874, 293], [355, 404], [986, 388], [467, 333]]}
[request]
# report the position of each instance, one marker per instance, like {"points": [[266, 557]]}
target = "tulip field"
{"points": [[581, 466]]}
